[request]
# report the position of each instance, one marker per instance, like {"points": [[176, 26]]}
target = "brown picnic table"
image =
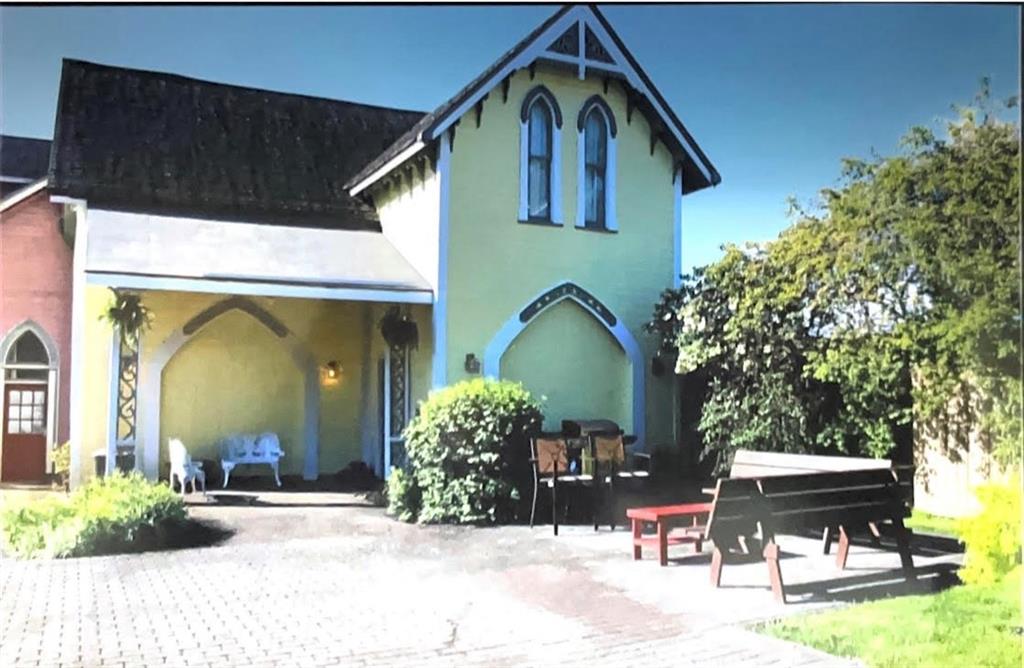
{"points": [[661, 516]]}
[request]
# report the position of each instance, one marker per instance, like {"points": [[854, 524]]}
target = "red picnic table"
{"points": [[660, 516]]}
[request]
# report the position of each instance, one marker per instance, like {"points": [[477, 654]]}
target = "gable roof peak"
{"points": [[575, 35]]}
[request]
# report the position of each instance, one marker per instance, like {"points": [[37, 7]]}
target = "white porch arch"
{"points": [[557, 293], [153, 364]]}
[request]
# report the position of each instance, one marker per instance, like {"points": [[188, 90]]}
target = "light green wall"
{"points": [[587, 376], [497, 265]]}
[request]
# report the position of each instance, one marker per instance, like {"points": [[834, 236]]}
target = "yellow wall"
{"points": [[97, 343], [586, 378], [409, 211], [497, 265], [233, 374]]}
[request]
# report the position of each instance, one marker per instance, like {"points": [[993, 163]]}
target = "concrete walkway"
{"points": [[322, 579]]}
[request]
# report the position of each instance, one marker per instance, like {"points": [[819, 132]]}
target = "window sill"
{"points": [[599, 230], [542, 222]]}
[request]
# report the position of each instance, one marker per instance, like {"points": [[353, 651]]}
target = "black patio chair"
{"points": [[612, 465], [550, 462]]}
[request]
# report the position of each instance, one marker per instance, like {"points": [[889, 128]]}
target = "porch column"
{"points": [[113, 403], [77, 410]]}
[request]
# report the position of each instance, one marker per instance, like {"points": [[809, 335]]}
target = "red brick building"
{"points": [[35, 313]]}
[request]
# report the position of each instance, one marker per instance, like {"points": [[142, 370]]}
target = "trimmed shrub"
{"points": [[468, 453], [992, 538], [118, 513]]}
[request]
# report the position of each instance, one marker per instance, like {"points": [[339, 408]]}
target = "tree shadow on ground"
{"points": [[166, 536], [258, 501], [884, 584]]}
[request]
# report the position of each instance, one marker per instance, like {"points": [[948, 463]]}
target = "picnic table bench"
{"points": [[660, 516], [757, 464], [790, 502]]}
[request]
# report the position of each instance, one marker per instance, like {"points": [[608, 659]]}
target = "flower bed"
{"points": [[119, 513]]}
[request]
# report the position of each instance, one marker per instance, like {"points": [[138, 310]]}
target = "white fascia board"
{"points": [[22, 194], [417, 146], [15, 179], [259, 289], [634, 79], [64, 199], [529, 54]]}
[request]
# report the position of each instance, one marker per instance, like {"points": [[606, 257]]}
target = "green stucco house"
{"points": [[526, 226]]}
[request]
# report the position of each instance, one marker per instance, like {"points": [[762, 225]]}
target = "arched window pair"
{"points": [[540, 149]]}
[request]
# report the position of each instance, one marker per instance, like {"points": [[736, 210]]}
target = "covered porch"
{"points": [[253, 328]]}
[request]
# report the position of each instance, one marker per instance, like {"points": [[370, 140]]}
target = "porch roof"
{"points": [[142, 251]]}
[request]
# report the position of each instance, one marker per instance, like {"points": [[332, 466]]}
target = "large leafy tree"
{"points": [[900, 290]]}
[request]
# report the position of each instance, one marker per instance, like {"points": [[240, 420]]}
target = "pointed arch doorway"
{"points": [[29, 360]]}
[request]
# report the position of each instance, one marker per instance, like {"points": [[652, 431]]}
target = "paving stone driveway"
{"points": [[324, 581]]}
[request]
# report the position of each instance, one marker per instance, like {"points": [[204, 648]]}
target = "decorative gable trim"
{"points": [[604, 53]]}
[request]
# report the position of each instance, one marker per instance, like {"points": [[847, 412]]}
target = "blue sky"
{"points": [[775, 95]]}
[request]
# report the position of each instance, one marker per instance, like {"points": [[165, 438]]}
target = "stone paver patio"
{"points": [[322, 579]]}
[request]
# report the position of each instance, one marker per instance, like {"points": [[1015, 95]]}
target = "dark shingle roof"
{"points": [[147, 141], [425, 129], [24, 157]]}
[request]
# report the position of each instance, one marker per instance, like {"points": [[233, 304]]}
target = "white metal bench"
{"points": [[262, 448]]}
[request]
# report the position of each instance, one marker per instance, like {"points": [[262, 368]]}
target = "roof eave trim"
{"points": [[260, 288], [21, 194], [625, 64], [518, 61], [384, 169]]}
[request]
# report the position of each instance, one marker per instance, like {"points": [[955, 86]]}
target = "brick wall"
{"points": [[35, 282]]}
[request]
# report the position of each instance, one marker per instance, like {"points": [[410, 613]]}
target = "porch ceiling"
{"points": [[160, 252]]}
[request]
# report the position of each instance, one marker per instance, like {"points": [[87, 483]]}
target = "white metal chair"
{"points": [[183, 467]]}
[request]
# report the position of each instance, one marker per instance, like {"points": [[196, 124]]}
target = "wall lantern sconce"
{"points": [[472, 364], [330, 373]]}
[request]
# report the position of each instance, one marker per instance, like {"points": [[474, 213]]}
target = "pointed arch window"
{"points": [[539, 152], [539, 175], [595, 167], [27, 358], [595, 208]]}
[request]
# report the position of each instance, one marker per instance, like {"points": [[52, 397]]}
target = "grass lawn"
{"points": [[962, 626], [928, 523]]}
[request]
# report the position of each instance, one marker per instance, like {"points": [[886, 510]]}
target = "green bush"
{"points": [[107, 515], [468, 452], [403, 496], [992, 538]]}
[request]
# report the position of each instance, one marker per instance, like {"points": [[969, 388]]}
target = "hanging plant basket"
{"points": [[128, 314], [398, 330]]}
